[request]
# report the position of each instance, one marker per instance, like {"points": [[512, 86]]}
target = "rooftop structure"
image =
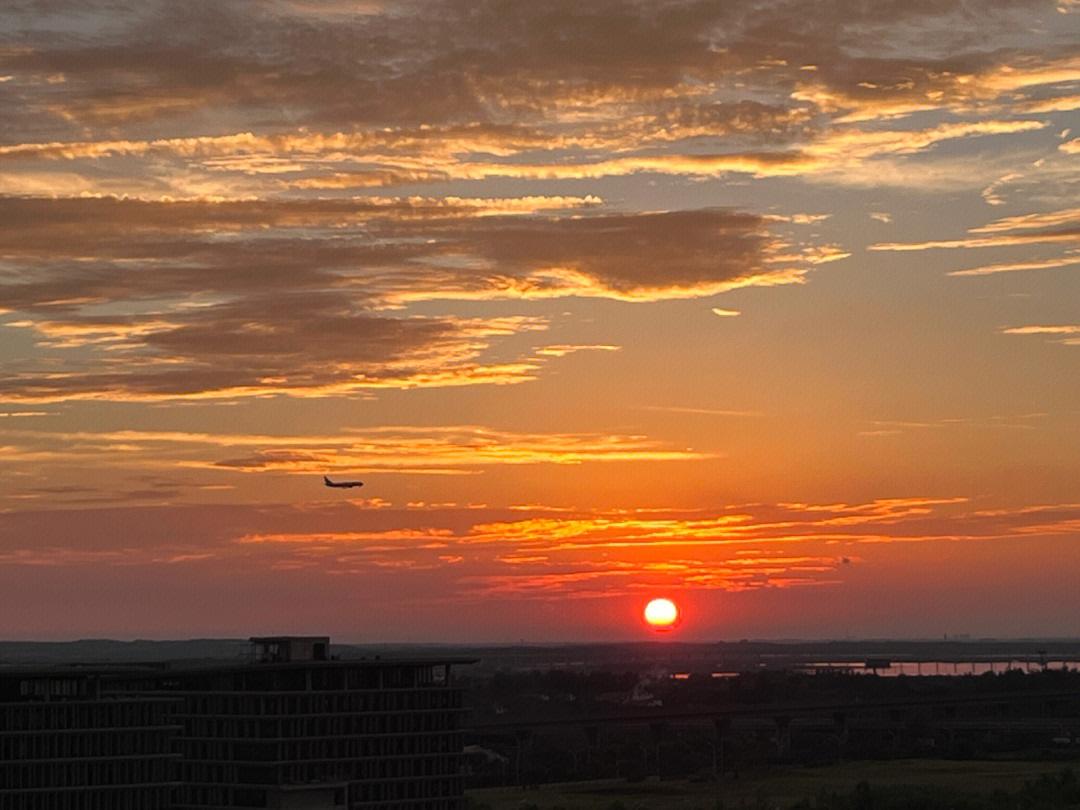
{"points": [[282, 649]]}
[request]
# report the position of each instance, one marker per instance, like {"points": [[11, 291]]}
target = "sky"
{"points": [[771, 308]]}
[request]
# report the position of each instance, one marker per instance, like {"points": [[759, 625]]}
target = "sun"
{"points": [[661, 614]]}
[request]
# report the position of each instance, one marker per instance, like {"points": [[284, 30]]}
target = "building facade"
{"points": [[294, 730], [74, 739], [290, 728]]}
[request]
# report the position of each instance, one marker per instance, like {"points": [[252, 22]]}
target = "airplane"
{"points": [[345, 484]]}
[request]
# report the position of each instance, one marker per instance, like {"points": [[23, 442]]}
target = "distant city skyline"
{"points": [[768, 308]]}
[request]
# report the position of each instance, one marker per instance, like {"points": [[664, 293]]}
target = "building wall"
{"points": [[310, 735], [63, 747], [372, 736]]}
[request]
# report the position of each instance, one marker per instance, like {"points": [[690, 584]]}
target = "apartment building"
{"points": [[290, 727]]}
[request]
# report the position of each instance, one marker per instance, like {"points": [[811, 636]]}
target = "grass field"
{"points": [[780, 787]]}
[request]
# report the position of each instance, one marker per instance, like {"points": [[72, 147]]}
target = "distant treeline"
{"points": [[536, 728], [1045, 793], [1050, 792], [524, 696]]}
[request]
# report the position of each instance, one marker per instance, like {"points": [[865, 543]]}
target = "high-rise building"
{"points": [[74, 738], [289, 728], [295, 730]]}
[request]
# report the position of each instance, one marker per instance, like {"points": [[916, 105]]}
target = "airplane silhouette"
{"points": [[344, 484]]}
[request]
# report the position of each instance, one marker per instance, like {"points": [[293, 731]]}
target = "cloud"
{"points": [[700, 411], [649, 255], [1048, 219], [1042, 330], [1052, 104], [437, 91], [1058, 227], [449, 449], [246, 297], [447, 154], [371, 541], [893, 427], [1067, 329], [867, 88], [446, 60], [534, 552], [561, 350], [405, 232], [1065, 236], [1011, 267], [219, 254], [300, 344]]}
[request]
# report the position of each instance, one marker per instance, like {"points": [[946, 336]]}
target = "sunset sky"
{"points": [[771, 308]]}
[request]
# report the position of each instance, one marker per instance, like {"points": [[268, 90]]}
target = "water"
{"points": [[938, 667]]}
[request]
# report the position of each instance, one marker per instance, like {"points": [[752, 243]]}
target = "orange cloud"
{"points": [[349, 538], [1042, 330], [394, 449], [1050, 219], [1011, 267], [561, 350], [447, 558], [1002, 240], [315, 320]]}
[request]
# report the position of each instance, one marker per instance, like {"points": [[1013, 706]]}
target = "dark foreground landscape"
{"points": [[833, 725], [912, 783]]}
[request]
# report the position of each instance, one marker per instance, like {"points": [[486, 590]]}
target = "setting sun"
{"points": [[661, 614]]}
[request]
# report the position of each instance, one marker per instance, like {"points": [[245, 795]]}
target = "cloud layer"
{"points": [[201, 266], [436, 558], [152, 300], [476, 251]]}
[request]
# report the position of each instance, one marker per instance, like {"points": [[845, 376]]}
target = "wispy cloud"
{"points": [[304, 211], [1047, 219], [400, 449], [1042, 330], [440, 93], [561, 350], [315, 318], [1064, 236], [541, 552], [457, 448], [1068, 330], [1011, 267], [701, 411]]}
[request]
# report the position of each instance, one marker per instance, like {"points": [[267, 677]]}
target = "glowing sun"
{"points": [[661, 614]]}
